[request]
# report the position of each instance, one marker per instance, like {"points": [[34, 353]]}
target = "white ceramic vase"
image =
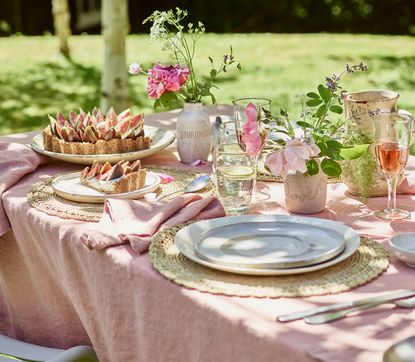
{"points": [[358, 106], [305, 194], [193, 133]]}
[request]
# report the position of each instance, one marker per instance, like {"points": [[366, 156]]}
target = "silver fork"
{"points": [[332, 316]]}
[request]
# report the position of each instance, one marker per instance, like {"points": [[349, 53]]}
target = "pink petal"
{"points": [[165, 179], [251, 113], [197, 163]]}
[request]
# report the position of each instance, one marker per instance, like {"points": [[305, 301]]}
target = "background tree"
{"points": [[114, 90], [61, 22]]}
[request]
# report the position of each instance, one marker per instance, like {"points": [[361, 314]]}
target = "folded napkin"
{"points": [[407, 186], [136, 221], [16, 161]]}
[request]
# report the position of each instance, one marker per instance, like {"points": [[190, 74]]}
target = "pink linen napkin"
{"points": [[16, 160], [136, 221], [407, 186]]}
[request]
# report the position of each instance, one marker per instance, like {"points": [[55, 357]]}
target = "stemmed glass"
{"points": [[392, 138]]}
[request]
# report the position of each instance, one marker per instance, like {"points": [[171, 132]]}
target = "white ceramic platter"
{"points": [[69, 187], [189, 236], [161, 139]]}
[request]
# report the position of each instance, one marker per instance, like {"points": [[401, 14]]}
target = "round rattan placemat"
{"points": [[367, 263], [42, 197]]}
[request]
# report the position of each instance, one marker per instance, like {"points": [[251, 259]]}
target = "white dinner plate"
{"points": [[69, 187], [189, 236], [270, 245], [161, 139]]}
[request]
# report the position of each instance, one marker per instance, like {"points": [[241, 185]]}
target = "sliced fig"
{"points": [[72, 119], [65, 134], [58, 130], [89, 135], [94, 171], [109, 135], [60, 118], [123, 128], [52, 122], [135, 120], [79, 123], [111, 117], [135, 166], [104, 169], [84, 173], [115, 172], [126, 170], [124, 114]]}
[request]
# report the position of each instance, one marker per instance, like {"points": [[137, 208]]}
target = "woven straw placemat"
{"points": [[367, 263], [42, 197]]}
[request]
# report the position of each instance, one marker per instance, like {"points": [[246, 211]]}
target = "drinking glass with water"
{"points": [[235, 174]]}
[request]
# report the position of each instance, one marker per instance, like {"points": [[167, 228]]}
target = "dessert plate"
{"points": [[69, 187], [161, 139], [189, 240]]}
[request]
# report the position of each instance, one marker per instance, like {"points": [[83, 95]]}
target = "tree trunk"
{"points": [[114, 90], [61, 21]]}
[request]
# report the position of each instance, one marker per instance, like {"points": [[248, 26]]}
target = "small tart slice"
{"points": [[125, 176]]}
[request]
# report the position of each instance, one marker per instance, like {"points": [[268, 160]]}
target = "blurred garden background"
{"points": [[286, 49]]}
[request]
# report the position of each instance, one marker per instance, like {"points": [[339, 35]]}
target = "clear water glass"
{"points": [[392, 139], [235, 173], [227, 132]]}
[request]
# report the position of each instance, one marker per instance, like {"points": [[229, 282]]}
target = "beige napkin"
{"points": [[136, 221], [16, 161]]}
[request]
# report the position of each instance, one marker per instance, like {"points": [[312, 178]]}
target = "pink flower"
{"points": [[251, 136], [292, 157], [135, 68], [162, 79]]}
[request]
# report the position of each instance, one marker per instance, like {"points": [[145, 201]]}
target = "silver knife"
{"points": [[334, 307], [332, 316]]}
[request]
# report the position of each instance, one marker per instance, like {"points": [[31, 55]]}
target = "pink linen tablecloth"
{"points": [[56, 292]]}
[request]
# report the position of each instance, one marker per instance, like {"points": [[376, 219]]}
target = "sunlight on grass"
{"points": [[36, 81]]}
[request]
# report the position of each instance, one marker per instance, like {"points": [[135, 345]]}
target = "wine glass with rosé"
{"points": [[392, 139]]}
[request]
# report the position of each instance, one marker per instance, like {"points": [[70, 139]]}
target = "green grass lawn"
{"points": [[36, 81]]}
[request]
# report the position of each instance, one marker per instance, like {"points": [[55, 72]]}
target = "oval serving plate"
{"points": [[69, 187], [191, 234], [161, 139]]}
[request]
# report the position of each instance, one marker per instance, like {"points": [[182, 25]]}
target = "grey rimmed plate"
{"points": [[245, 244], [161, 139]]}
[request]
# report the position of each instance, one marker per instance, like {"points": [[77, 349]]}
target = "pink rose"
{"points": [[162, 79], [292, 157]]}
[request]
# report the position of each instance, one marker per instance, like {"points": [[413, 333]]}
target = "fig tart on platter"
{"points": [[94, 133], [125, 176]]}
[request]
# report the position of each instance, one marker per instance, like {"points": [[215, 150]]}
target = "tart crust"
{"points": [[116, 145], [131, 182]]}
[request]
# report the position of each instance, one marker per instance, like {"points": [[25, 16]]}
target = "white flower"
{"points": [[135, 68]]}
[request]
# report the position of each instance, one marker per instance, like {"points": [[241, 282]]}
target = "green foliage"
{"points": [[35, 83], [312, 167], [354, 152]]}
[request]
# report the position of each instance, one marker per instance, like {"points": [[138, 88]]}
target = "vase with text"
{"points": [[305, 194], [193, 133], [363, 176]]}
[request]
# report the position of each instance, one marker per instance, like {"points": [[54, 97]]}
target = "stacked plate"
{"points": [[267, 244]]}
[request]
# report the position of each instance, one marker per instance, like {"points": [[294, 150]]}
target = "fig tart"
{"points": [[125, 176], [94, 133]]}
